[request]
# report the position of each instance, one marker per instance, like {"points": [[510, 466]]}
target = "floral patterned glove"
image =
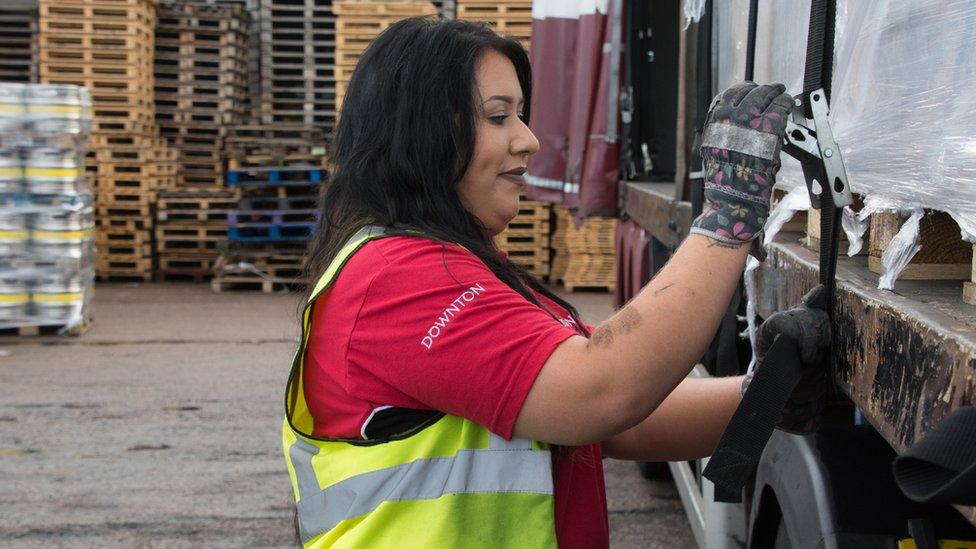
{"points": [[809, 326], [740, 151]]}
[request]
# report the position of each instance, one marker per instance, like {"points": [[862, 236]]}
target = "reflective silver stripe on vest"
{"points": [[510, 468]]}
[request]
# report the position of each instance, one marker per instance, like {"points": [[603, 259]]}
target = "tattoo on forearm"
{"points": [[663, 289], [721, 244], [622, 323]]}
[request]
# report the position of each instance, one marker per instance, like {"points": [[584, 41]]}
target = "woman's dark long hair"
{"points": [[405, 137]]}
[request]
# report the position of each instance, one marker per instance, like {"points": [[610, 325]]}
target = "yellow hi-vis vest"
{"points": [[449, 483]]}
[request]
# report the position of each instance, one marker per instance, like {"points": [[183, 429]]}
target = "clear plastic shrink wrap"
{"points": [[47, 265], [901, 103]]}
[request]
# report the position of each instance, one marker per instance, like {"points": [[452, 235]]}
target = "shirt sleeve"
{"points": [[438, 330]]}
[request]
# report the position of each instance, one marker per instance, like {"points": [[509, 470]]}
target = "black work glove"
{"points": [[809, 326], [740, 149]]}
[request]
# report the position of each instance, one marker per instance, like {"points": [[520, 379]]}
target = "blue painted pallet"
{"points": [[269, 232], [294, 175], [274, 217]]}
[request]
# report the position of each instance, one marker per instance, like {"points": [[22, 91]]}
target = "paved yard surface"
{"points": [[160, 427]]}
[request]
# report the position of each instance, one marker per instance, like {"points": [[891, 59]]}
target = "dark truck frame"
{"points": [[905, 358]]}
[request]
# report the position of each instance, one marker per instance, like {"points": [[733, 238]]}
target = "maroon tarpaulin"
{"points": [[575, 85], [633, 261]]}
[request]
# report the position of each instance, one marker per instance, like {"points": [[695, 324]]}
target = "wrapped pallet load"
{"points": [[47, 264], [901, 93]]}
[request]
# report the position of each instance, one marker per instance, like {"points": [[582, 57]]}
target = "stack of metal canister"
{"points": [[46, 215]]}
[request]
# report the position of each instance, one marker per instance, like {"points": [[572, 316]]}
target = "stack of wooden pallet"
{"points": [[200, 82], [272, 146], [526, 239], [507, 17], [585, 256], [297, 56], [107, 47], [269, 229], [358, 22], [18, 43], [201, 87]]}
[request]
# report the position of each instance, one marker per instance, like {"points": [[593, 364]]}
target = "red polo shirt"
{"points": [[418, 324]]}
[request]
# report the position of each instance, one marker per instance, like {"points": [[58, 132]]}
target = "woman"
{"points": [[441, 396]]}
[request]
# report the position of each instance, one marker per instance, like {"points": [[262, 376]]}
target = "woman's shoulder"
{"points": [[413, 250], [412, 257]]}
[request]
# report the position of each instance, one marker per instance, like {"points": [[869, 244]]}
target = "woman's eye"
{"points": [[498, 120]]}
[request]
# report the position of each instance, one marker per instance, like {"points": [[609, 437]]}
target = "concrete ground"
{"points": [[160, 427]]}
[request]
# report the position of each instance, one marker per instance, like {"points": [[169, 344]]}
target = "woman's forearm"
{"points": [[653, 342], [687, 425], [592, 389]]}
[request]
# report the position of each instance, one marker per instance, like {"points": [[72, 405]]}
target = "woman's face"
{"points": [[491, 185]]}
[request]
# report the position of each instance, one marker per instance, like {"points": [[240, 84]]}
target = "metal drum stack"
{"points": [[47, 264]]}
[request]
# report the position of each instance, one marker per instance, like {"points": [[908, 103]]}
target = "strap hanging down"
{"points": [[737, 453], [941, 467]]}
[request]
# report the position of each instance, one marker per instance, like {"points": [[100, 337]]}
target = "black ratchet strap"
{"points": [[941, 467], [738, 452]]}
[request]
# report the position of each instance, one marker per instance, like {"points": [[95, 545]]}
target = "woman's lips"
{"points": [[517, 179]]}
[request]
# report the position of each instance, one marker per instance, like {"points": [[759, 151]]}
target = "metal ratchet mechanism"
{"points": [[818, 145]]}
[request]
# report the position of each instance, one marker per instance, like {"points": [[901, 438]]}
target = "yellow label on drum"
{"points": [[61, 235], [60, 173], [7, 172], [13, 235], [58, 298], [54, 109], [14, 298]]}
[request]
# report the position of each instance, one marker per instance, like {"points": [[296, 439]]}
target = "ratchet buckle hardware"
{"points": [[817, 145]]}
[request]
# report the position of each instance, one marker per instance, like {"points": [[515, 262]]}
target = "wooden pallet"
{"points": [[584, 271], [969, 287], [515, 237], [123, 265], [265, 285], [268, 160], [123, 212], [188, 246], [812, 220], [35, 330], [396, 9], [511, 18], [124, 252], [122, 276], [18, 46], [528, 253], [112, 236], [201, 87], [184, 262], [494, 10], [533, 210], [286, 30], [182, 275], [943, 254]]}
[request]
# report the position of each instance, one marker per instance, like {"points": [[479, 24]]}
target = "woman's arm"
{"points": [[687, 425], [592, 389]]}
